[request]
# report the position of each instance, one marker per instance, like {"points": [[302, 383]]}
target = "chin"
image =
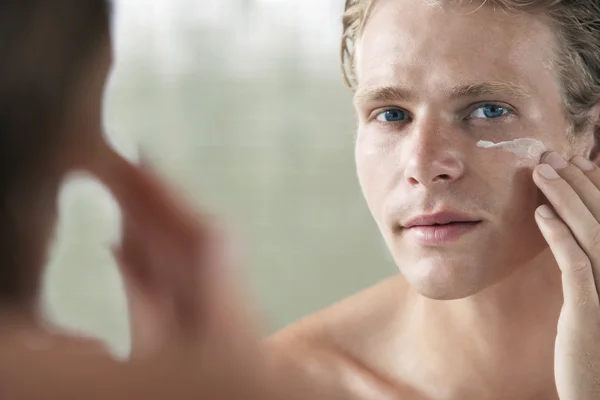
{"points": [[466, 267], [444, 279], [445, 292]]}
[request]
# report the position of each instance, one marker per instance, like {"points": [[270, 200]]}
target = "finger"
{"points": [[579, 287], [137, 265], [155, 272], [142, 193], [588, 168], [147, 199], [570, 207], [168, 267], [132, 185], [152, 261], [130, 277], [582, 176], [168, 225], [178, 245]]}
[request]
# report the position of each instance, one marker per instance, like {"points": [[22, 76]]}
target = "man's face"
{"points": [[433, 80]]}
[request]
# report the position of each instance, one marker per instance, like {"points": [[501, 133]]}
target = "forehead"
{"points": [[421, 41]]}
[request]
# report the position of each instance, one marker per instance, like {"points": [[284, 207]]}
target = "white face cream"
{"points": [[528, 150]]}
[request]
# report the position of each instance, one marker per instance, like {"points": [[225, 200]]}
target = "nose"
{"points": [[432, 155]]}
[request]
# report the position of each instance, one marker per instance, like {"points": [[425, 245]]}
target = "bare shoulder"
{"points": [[85, 344], [59, 339], [337, 344]]}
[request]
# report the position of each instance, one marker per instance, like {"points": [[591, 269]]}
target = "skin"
{"points": [[498, 333], [502, 329], [483, 317], [573, 232], [217, 359]]}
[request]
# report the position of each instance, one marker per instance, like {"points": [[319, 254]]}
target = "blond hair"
{"points": [[577, 62]]}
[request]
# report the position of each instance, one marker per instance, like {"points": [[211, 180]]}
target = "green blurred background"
{"points": [[241, 104]]}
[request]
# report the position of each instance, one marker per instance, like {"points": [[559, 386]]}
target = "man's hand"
{"points": [[173, 263], [194, 341], [573, 232]]}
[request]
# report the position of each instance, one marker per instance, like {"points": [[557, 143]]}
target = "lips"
{"points": [[440, 229], [440, 219]]}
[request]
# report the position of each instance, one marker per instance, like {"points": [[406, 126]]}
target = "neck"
{"points": [[529, 298], [503, 335]]}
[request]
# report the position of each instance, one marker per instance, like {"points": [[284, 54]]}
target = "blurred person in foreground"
{"points": [[499, 255], [56, 55]]}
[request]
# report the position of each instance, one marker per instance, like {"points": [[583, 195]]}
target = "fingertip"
{"points": [[545, 212], [543, 156]]}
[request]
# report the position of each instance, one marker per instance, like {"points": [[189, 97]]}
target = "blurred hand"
{"points": [[174, 264], [183, 297]]}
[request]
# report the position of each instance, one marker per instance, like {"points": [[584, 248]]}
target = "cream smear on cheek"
{"points": [[528, 151]]}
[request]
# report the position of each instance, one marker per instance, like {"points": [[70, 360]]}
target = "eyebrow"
{"points": [[384, 94]]}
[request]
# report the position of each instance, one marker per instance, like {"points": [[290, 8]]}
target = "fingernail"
{"points": [[546, 212], [555, 160], [582, 163], [548, 172]]}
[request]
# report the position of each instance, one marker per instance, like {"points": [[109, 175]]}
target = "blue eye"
{"points": [[392, 115], [489, 111]]}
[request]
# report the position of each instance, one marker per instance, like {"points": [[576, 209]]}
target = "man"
{"points": [[56, 55], [496, 298]]}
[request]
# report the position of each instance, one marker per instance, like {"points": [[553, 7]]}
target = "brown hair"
{"points": [[44, 45], [577, 24]]}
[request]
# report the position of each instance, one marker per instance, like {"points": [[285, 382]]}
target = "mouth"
{"points": [[440, 219], [449, 223], [440, 228]]}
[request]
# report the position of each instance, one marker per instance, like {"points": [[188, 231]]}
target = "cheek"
{"points": [[522, 240], [375, 168], [522, 195], [515, 198], [505, 174]]}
